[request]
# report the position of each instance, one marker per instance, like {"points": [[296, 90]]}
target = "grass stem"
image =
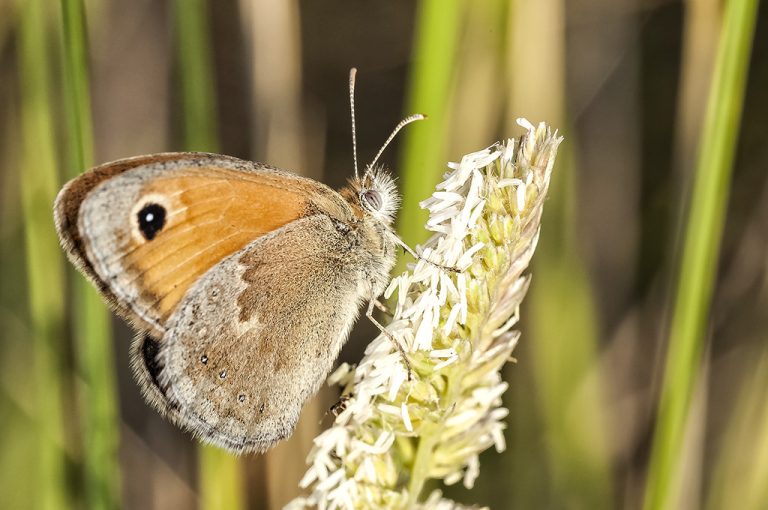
{"points": [[45, 276], [437, 33], [92, 321], [698, 263]]}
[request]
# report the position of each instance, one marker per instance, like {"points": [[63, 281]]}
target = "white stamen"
{"points": [[406, 417], [438, 314]]}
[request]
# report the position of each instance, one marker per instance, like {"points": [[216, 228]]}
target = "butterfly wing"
{"points": [[256, 336], [66, 213], [148, 230], [202, 208]]}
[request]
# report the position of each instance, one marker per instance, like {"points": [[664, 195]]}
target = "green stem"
{"points": [[77, 93], [429, 439], [92, 322], [698, 264], [196, 75], [43, 256], [438, 27], [421, 463]]}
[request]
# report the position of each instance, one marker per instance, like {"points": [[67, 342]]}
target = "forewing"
{"points": [[212, 207]]}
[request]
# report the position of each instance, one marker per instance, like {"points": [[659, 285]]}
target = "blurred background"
{"points": [[626, 82]]}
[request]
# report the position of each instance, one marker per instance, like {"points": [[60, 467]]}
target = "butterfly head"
{"points": [[376, 194]]}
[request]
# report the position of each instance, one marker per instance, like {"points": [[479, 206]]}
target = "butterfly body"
{"points": [[242, 281]]}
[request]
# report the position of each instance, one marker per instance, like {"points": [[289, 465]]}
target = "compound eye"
{"points": [[373, 199]]}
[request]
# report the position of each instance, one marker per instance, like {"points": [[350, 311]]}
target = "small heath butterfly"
{"points": [[242, 280]]}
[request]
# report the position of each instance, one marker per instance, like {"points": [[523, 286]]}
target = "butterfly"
{"points": [[242, 280]]}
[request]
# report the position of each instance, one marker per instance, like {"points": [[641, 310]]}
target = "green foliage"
{"points": [[93, 335], [45, 276], [422, 162], [698, 261]]}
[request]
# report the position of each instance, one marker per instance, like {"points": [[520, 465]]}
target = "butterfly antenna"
{"points": [[401, 125], [352, 73]]}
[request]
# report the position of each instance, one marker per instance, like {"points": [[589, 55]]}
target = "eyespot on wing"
{"points": [[210, 206]]}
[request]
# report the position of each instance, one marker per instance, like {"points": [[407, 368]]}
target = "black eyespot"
{"points": [[151, 220], [149, 351], [373, 199]]}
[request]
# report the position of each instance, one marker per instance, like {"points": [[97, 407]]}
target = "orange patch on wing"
{"points": [[212, 213], [68, 203]]}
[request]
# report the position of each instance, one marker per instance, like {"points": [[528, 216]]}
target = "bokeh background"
{"points": [[625, 81]]}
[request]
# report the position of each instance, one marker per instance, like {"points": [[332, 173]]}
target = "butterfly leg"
{"points": [[395, 342], [382, 307]]}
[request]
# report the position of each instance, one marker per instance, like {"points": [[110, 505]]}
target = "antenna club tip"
{"points": [[352, 71], [423, 116]]}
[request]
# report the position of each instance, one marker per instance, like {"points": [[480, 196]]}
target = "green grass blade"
{"points": [[220, 474], [423, 160], [196, 75], [93, 334], [698, 264], [221, 479], [77, 93], [44, 265]]}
